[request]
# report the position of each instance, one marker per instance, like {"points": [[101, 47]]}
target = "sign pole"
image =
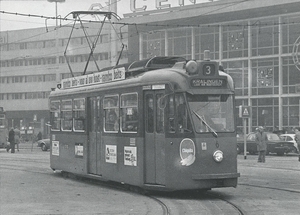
{"points": [[244, 113], [245, 136]]}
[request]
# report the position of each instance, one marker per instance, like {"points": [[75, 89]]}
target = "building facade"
{"points": [[32, 62], [255, 41]]}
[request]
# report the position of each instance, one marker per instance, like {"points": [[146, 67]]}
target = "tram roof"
{"points": [[153, 71]]}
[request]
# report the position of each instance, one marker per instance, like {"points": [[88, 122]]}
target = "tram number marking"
{"points": [[204, 146], [209, 69]]}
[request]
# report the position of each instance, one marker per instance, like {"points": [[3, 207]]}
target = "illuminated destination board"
{"points": [[201, 82], [95, 78]]}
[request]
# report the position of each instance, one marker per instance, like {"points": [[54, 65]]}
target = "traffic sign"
{"points": [[244, 111]]}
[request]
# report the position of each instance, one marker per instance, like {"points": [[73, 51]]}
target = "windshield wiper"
{"points": [[203, 120]]}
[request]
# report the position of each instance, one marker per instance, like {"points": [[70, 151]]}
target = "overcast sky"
{"points": [[45, 8]]}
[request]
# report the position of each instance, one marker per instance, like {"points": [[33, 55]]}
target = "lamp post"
{"points": [[60, 1]]}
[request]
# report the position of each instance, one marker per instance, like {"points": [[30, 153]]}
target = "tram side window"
{"points": [[95, 115], [129, 112], [160, 113], [111, 113], [79, 114], [183, 121], [55, 115], [149, 113], [171, 111], [66, 115]]}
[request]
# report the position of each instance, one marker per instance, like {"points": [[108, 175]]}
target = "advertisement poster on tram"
{"points": [[111, 154], [130, 156], [78, 150], [55, 147]]}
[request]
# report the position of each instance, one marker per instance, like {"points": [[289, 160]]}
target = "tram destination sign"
{"points": [[209, 82], [95, 78]]}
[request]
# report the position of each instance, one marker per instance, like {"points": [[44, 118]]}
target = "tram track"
{"points": [[236, 207], [271, 188], [191, 202], [168, 204], [171, 203], [13, 167], [277, 168]]}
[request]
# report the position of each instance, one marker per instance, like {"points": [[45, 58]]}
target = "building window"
{"points": [[50, 77], [16, 96], [265, 112], [154, 44], [265, 37], [49, 43], [235, 40], [207, 38], [2, 96], [265, 79], [180, 42], [291, 112], [290, 76], [238, 70]]}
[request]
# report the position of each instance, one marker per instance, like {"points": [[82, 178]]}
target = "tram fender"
{"points": [[215, 176]]}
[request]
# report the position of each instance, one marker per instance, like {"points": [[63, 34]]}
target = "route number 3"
{"points": [[208, 69]]}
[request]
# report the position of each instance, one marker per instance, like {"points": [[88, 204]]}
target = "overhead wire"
{"points": [[222, 5], [136, 24]]}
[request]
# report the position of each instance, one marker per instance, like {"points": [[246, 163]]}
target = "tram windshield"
{"points": [[212, 113]]}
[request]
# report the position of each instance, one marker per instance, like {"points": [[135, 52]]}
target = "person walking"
{"points": [[39, 136], [297, 138], [261, 144], [11, 139], [17, 136]]}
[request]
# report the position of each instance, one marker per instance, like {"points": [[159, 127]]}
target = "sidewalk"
{"points": [[28, 146]]}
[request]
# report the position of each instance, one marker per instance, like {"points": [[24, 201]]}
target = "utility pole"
{"points": [[113, 34], [60, 1]]}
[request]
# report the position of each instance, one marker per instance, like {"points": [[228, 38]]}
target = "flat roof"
{"points": [[211, 12]]}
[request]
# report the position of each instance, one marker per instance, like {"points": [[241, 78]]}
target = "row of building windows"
{"points": [[61, 59], [264, 36], [24, 95], [28, 79], [35, 78], [52, 60], [265, 111], [51, 43]]}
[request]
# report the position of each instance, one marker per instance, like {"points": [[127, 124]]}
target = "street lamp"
{"points": [[60, 1]]}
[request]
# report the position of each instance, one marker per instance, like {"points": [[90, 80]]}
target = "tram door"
{"points": [[154, 137], [95, 126]]}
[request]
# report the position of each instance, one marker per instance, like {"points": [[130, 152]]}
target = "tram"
{"points": [[3, 128], [163, 123]]}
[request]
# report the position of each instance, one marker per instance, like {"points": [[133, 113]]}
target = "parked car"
{"points": [[44, 144], [290, 138], [274, 144]]}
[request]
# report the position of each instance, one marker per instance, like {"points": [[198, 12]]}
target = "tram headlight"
{"points": [[218, 156], [191, 67]]}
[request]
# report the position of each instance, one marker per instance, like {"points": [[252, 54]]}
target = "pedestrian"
{"points": [[11, 139], [39, 136], [297, 138], [261, 138], [17, 136]]}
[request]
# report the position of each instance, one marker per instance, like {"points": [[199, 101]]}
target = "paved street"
{"points": [[29, 186]]}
